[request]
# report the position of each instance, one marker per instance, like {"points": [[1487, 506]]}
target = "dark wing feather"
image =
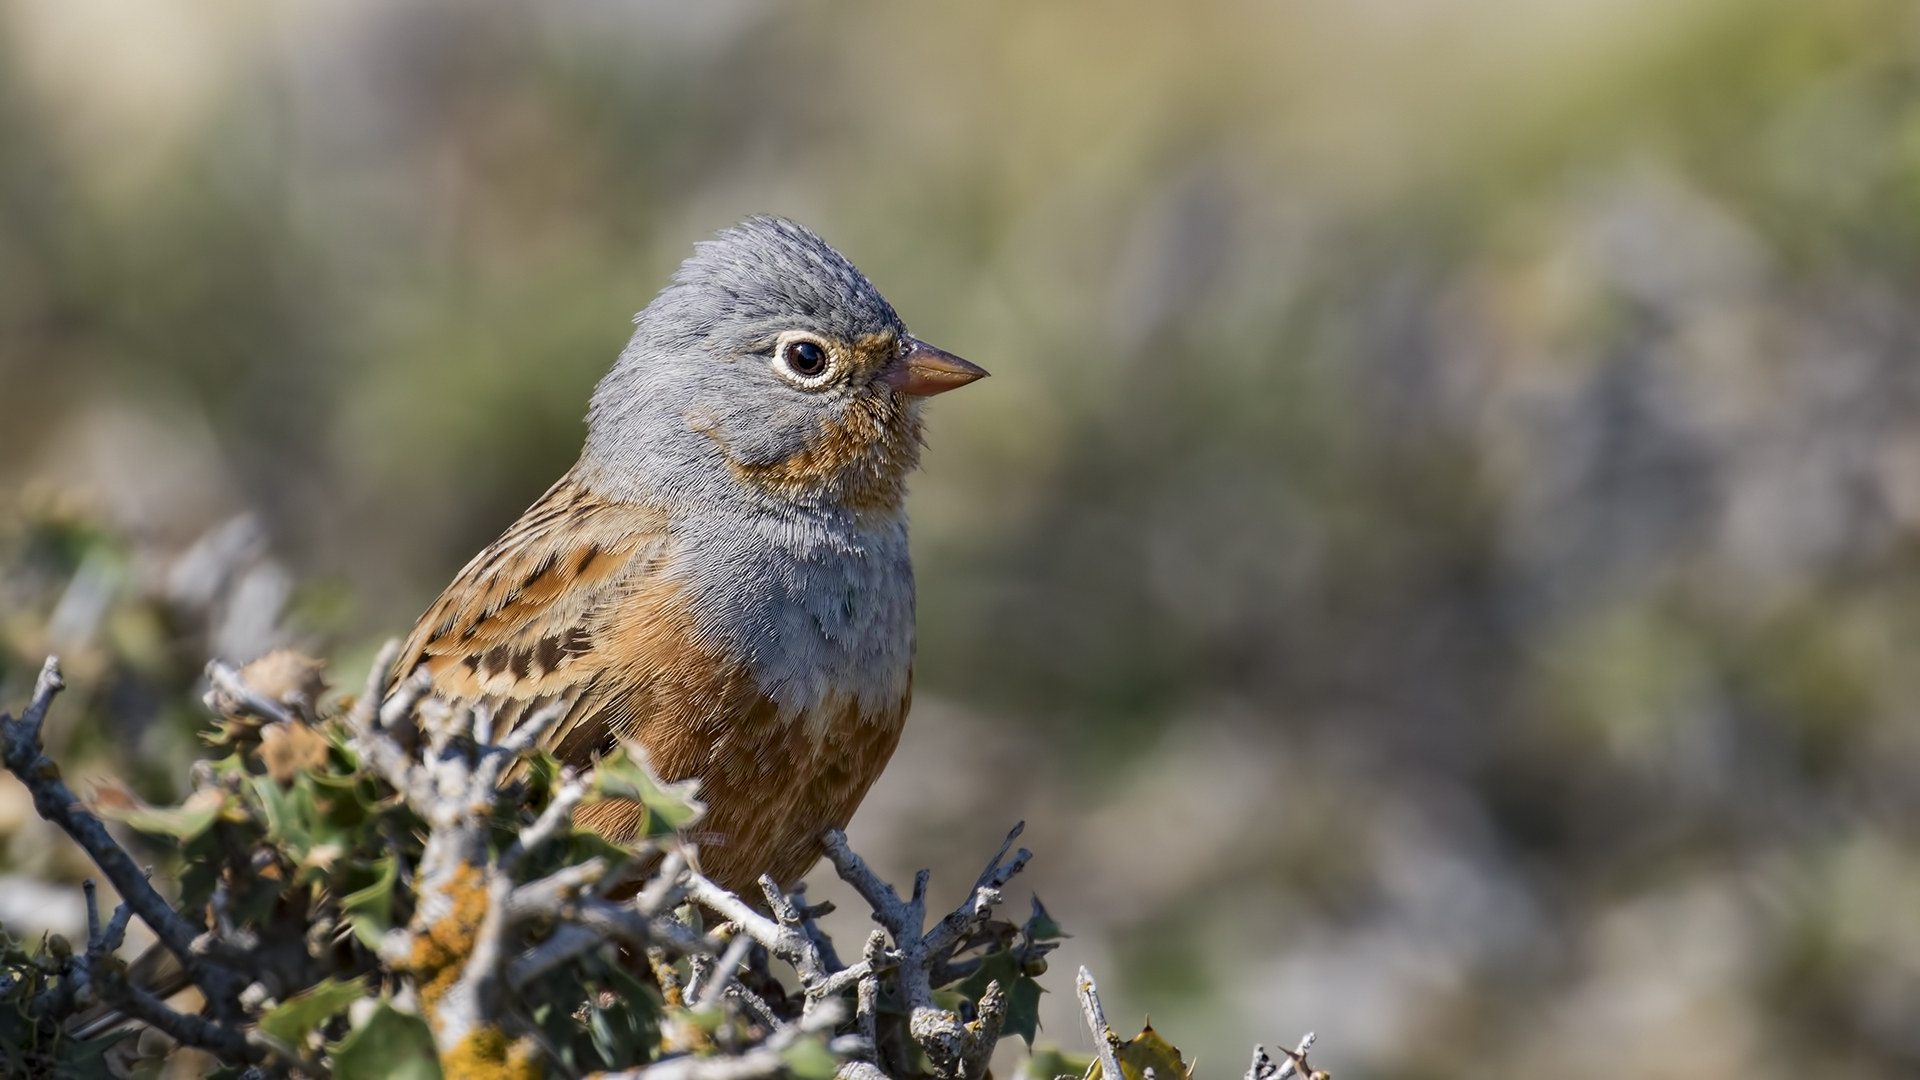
{"points": [[523, 625]]}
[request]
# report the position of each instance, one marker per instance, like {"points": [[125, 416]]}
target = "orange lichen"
{"points": [[440, 950], [487, 1054]]}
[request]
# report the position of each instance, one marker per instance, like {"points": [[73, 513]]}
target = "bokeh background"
{"points": [[1437, 563]]}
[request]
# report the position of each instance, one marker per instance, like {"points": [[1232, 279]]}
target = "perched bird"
{"points": [[723, 575]]}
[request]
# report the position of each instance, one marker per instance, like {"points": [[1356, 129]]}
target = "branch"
{"points": [[23, 755], [136, 1004], [986, 893], [724, 972], [227, 683], [786, 941], [366, 707], [960, 1051], [902, 919], [593, 922], [766, 1060], [1296, 1060], [557, 815], [1103, 1038]]}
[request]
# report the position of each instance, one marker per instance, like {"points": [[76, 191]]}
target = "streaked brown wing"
{"points": [[574, 604], [527, 622]]}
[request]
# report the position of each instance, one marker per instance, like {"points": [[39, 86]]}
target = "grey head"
{"points": [[770, 372]]}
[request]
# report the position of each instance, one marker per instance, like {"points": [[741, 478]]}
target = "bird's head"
{"points": [[771, 369]]}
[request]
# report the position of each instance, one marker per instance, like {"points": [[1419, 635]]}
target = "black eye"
{"points": [[804, 358]]}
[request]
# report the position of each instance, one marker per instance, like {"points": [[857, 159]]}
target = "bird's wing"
{"points": [[529, 622], [576, 605]]}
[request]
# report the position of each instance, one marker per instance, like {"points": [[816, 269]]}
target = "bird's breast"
{"points": [[819, 609]]}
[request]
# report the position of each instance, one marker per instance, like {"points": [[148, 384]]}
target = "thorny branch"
{"points": [[482, 932], [957, 1049], [22, 753]]}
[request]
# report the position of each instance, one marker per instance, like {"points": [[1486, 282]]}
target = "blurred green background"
{"points": [[1437, 563]]}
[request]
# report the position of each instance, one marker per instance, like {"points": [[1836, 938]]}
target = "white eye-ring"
{"points": [[804, 360]]}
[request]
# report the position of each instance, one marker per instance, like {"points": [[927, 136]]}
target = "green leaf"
{"points": [[201, 872], [1023, 1009], [370, 910], [1051, 1063], [284, 827], [1023, 993], [293, 1018], [1040, 925], [391, 1045], [624, 774], [809, 1059], [998, 966]]}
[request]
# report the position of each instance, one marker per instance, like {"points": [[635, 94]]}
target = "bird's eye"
{"points": [[804, 361], [806, 358]]}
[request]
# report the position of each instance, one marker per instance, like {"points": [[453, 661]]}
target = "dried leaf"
{"points": [[289, 749], [1147, 1050], [285, 676], [183, 822]]}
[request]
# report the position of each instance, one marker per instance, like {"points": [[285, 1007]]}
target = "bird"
{"points": [[723, 576]]}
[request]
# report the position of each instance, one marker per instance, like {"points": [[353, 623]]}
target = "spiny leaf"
{"points": [[1023, 993], [809, 1059], [293, 1018], [370, 910], [1147, 1050], [1051, 1062], [1040, 925], [624, 774], [391, 1045]]}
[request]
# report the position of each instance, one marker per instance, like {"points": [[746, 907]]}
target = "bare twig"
{"points": [[784, 939], [822, 944], [867, 997], [957, 1050], [724, 972], [400, 704], [366, 707], [227, 683], [22, 754], [1104, 1041], [557, 815], [986, 894], [766, 1060], [1296, 1063], [229, 1043]]}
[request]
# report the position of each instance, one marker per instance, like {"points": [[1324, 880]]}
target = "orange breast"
{"points": [[771, 786], [772, 779]]}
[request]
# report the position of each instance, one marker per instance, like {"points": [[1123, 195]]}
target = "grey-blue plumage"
{"points": [[723, 576]]}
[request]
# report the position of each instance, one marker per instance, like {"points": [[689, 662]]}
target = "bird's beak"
{"points": [[925, 371]]}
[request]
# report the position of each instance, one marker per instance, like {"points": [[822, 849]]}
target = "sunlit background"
{"points": [[1437, 563]]}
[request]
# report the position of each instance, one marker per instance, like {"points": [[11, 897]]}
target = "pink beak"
{"points": [[925, 371]]}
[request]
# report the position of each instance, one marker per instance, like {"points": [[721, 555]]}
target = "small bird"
{"points": [[723, 576]]}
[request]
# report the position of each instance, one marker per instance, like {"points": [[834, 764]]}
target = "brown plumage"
{"points": [[723, 576], [573, 604]]}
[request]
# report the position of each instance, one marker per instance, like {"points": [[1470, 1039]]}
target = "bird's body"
{"points": [[724, 575]]}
